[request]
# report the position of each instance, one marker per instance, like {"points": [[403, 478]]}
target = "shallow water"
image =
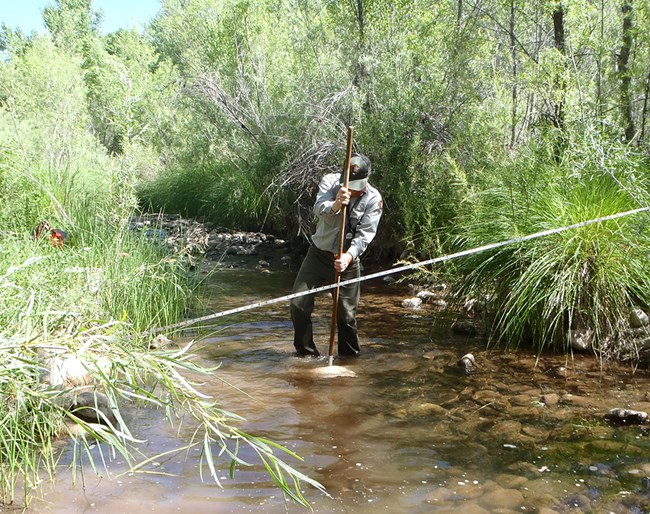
{"points": [[408, 433]]}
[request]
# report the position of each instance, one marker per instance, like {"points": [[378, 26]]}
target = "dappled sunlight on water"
{"points": [[407, 433]]}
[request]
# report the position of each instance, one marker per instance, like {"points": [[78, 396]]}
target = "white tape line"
{"points": [[395, 270]]}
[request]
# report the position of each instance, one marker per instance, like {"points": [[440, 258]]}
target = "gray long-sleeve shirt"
{"points": [[364, 213]]}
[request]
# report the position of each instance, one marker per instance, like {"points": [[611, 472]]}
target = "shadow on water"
{"points": [[409, 433]]}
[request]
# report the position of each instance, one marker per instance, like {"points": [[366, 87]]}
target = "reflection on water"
{"points": [[407, 434]]}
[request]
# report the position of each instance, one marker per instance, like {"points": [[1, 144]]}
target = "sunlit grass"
{"points": [[129, 377], [86, 306], [589, 278], [53, 302]]}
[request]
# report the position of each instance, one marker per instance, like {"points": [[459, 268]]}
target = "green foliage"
{"points": [[35, 411], [71, 22], [588, 278], [54, 168], [226, 195], [95, 274], [426, 197], [130, 90], [45, 111]]}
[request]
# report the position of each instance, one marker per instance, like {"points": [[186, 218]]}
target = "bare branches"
{"points": [[210, 88]]}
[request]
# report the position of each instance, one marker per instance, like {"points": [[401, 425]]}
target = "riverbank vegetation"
{"points": [[485, 121], [75, 311], [75, 317]]}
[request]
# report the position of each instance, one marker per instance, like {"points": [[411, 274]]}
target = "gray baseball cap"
{"points": [[359, 175]]}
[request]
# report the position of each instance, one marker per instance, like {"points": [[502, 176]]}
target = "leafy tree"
{"points": [[129, 89], [72, 23]]}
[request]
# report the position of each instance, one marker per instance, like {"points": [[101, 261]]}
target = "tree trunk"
{"points": [[623, 61], [360, 19], [599, 67], [644, 112], [359, 71], [558, 33], [513, 57]]}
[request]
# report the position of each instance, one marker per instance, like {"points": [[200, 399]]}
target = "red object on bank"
{"points": [[56, 236]]}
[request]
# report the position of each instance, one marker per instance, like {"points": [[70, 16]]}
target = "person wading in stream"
{"points": [[319, 267]]}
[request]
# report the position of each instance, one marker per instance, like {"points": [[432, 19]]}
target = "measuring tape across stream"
{"points": [[392, 271]]}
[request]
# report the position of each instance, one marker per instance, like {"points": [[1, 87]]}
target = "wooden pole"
{"points": [[335, 306]]}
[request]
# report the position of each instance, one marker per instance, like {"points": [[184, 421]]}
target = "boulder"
{"points": [[464, 327]]}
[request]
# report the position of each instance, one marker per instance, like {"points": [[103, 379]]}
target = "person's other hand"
{"points": [[342, 263]]}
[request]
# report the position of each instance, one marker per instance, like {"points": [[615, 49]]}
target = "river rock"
{"points": [[60, 367], [93, 407], [551, 399], [582, 339], [161, 342], [523, 400], [412, 303], [627, 417], [468, 507], [441, 494], [645, 484], [510, 480], [68, 371], [557, 371], [426, 296], [464, 327], [490, 398], [598, 446], [427, 409], [536, 432], [191, 237], [467, 363], [638, 318], [500, 498], [578, 401]]}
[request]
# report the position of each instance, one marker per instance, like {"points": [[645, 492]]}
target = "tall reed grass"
{"points": [[588, 279], [86, 305]]}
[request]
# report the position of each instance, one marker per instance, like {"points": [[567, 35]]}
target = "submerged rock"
{"points": [[465, 327]]}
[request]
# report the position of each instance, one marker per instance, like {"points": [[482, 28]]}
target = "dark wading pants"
{"points": [[316, 270]]}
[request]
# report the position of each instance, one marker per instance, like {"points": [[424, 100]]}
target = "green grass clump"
{"points": [[586, 279]]}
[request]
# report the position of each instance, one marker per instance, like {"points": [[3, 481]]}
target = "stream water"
{"points": [[408, 434]]}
